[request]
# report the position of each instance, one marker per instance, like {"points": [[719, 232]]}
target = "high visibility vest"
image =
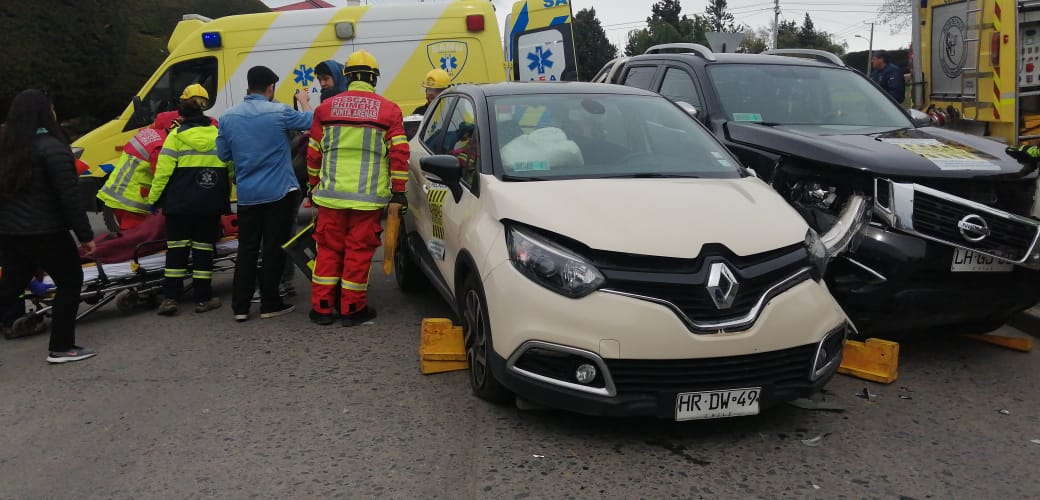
{"points": [[189, 176], [128, 184], [359, 137]]}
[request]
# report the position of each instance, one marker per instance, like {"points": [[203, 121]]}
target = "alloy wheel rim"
{"points": [[476, 343]]}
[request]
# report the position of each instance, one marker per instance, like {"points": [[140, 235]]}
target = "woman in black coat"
{"points": [[39, 205]]}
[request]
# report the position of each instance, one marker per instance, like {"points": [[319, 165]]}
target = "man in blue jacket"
{"points": [[255, 136], [888, 76]]}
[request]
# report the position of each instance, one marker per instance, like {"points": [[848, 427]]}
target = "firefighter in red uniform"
{"points": [[357, 164]]}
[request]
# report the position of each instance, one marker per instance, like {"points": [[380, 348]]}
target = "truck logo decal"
{"points": [[722, 285], [540, 60], [973, 228], [303, 75], [449, 55], [952, 47]]}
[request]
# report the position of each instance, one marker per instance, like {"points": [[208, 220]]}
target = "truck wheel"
{"points": [[409, 275], [476, 330]]}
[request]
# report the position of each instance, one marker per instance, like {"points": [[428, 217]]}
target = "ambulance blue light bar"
{"points": [[211, 40]]}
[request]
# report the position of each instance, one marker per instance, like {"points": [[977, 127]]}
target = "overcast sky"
{"points": [[842, 18]]}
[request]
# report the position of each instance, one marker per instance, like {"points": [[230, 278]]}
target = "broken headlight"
{"points": [[550, 265]]}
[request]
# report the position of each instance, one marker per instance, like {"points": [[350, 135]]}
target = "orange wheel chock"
{"points": [[441, 347]]}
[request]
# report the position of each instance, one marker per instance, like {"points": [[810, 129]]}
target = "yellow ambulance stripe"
{"points": [[245, 38], [319, 52]]}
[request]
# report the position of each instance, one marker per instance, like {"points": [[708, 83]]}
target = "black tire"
{"points": [[477, 333], [409, 275]]}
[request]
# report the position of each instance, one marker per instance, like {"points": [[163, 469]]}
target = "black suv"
{"points": [[948, 235]]}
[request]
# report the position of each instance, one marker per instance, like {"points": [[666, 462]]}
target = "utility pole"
{"points": [[776, 21], [870, 48]]}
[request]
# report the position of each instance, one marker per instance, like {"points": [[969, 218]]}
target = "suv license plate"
{"points": [[966, 261], [717, 404]]}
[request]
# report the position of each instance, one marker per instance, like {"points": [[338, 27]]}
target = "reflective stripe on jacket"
{"points": [[128, 184], [358, 151], [189, 177]]}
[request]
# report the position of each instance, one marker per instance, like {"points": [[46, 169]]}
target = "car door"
{"points": [[679, 85], [426, 195], [461, 139]]}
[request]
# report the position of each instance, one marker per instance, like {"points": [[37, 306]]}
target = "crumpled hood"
{"points": [[660, 217], [920, 152], [200, 138]]}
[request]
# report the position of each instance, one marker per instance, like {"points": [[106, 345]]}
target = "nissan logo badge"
{"points": [[973, 228]]}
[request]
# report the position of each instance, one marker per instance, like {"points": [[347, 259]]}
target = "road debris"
{"points": [[866, 394], [1004, 412], [816, 441], [538, 456], [1037, 441]]}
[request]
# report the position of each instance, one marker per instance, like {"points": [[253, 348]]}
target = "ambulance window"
{"points": [[433, 134], [167, 89]]}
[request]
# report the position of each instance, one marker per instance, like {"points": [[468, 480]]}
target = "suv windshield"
{"points": [[575, 136], [803, 95]]}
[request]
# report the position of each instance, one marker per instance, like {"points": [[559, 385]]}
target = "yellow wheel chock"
{"points": [[441, 348], [1015, 343], [875, 360]]}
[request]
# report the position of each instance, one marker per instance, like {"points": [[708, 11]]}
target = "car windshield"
{"points": [[583, 136], [776, 94]]}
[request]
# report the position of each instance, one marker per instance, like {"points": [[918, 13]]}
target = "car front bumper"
{"points": [[646, 355]]}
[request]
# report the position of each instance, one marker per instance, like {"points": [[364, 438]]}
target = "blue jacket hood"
{"points": [[338, 78]]}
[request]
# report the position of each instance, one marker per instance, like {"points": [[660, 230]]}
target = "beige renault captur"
{"points": [[606, 255]]}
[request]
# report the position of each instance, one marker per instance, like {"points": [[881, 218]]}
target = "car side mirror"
{"points": [[690, 109], [140, 117], [447, 170], [920, 118]]}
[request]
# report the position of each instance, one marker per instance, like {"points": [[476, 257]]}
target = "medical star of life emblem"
{"points": [[722, 285], [449, 55]]}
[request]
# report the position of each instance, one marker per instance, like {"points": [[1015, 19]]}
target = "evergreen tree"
{"points": [[666, 26], [591, 44], [718, 18]]}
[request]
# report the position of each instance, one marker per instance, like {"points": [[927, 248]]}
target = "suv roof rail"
{"points": [[687, 47], [819, 55]]}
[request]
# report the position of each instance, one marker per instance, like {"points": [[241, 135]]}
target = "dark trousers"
{"points": [[194, 235], [56, 253], [264, 227]]}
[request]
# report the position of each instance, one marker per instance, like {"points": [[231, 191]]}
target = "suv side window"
{"points": [[678, 85], [433, 129], [460, 140], [640, 77]]}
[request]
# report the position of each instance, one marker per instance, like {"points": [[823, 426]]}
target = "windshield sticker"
{"points": [[721, 158], [531, 165], [944, 156], [747, 117]]}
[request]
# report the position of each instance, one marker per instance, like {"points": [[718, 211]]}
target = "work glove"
{"points": [[1024, 153], [400, 199]]}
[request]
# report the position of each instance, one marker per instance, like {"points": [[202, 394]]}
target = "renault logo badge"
{"points": [[722, 285], [973, 228]]}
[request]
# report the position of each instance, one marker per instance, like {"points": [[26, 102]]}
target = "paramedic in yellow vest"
{"points": [[436, 81], [357, 163], [126, 190], [192, 186]]}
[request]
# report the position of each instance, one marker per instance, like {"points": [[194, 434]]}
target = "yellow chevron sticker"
{"points": [[436, 199]]}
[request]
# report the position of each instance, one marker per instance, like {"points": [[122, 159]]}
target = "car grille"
{"points": [[687, 292], [937, 218], [787, 367]]}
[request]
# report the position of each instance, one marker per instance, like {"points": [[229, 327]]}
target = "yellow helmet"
{"points": [[437, 79], [195, 90], [360, 62]]}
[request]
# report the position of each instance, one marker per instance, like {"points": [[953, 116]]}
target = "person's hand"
{"points": [[88, 248], [303, 101], [399, 198]]}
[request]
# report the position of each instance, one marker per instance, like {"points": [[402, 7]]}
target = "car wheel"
{"points": [[477, 333], [409, 276]]}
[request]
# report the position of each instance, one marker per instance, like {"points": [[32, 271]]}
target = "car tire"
{"points": [[476, 330], [407, 273]]}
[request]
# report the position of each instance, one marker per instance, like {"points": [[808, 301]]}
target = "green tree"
{"points": [[591, 44], [790, 35], [93, 55], [666, 26], [755, 42], [718, 18]]}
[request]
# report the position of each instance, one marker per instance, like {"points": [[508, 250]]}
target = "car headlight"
{"points": [[817, 254], [551, 265]]}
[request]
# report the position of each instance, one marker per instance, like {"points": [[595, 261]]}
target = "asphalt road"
{"points": [[201, 406]]}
